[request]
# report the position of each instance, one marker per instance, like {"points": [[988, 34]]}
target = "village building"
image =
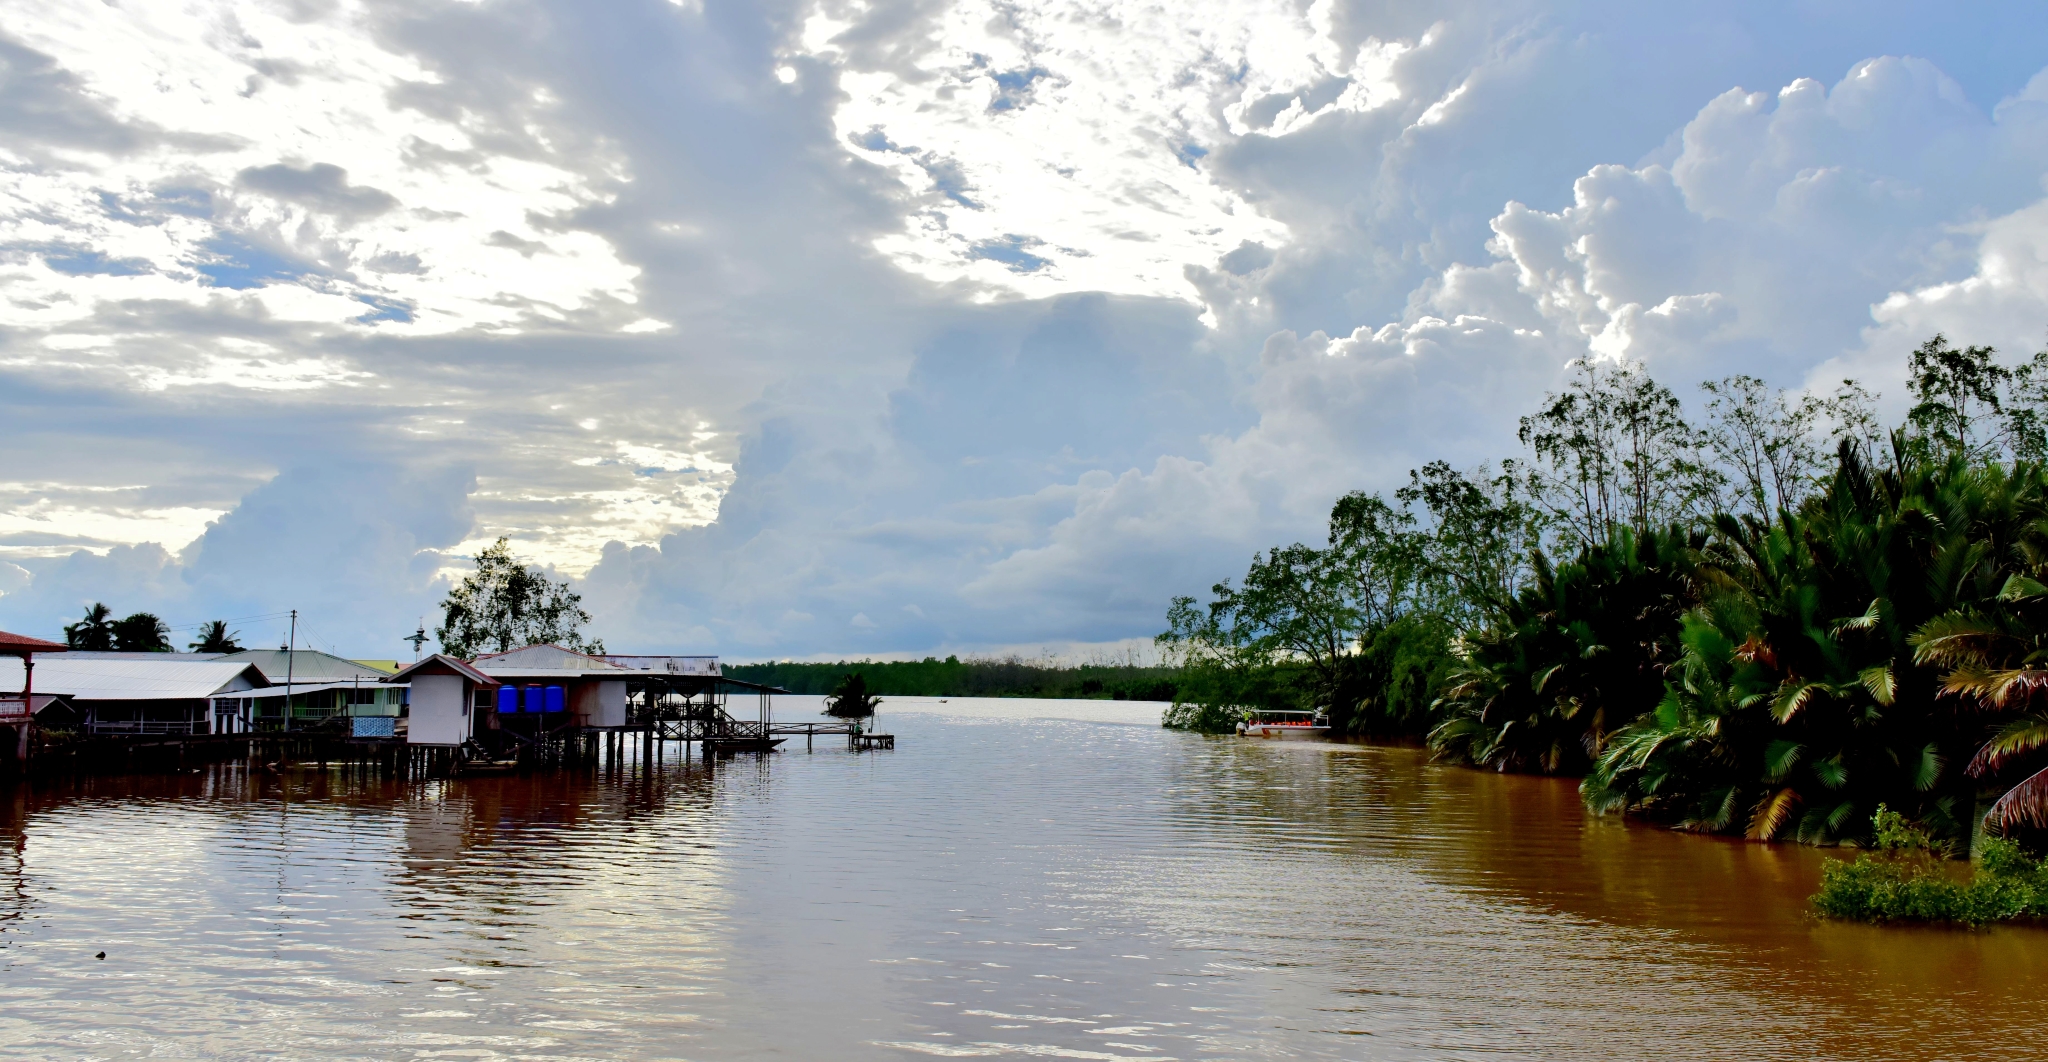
{"points": [[550, 687], [143, 693], [444, 695], [321, 687]]}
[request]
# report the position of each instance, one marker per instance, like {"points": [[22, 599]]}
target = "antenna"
{"points": [[418, 638]]}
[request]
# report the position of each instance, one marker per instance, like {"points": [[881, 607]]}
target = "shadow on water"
{"points": [[1738, 908]]}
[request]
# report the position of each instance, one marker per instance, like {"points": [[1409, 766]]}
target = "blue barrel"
{"points": [[556, 699], [535, 699], [508, 700]]}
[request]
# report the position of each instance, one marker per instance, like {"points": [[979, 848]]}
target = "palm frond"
{"points": [[2020, 587], [2016, 738], [1771, 815], [2025, 804], [1794, 698], [2010, 689], [1927, 768], [1780, 757], [1868, 621], [1881, 683]]}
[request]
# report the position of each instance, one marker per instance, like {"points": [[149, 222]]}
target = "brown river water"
{"points": [[1018, 879]]}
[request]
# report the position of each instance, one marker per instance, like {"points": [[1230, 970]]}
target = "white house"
{"points": [[443, 692]]}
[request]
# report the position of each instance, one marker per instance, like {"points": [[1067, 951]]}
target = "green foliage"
{"points": [[505, 605], [953, 677], [94, 633], [1202, 718], [141, 632], [851, 699], [214, 637], [1741, 634], [1579, 653], [1907, 879]]}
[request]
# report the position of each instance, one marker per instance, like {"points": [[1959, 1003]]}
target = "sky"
{"points": [[860, 328]]}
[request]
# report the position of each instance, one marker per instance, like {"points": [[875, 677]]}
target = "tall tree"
{"points": [[1474, 555], [1958, 396], [1614, 450], [505, 605], [1775, 451], [142, 632], [94, 633], [214, 637]]}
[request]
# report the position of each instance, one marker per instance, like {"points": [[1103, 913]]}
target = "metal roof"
{"points": [[542, 658], [129, 679], [440, 664], [307, 665], [695, 666]]}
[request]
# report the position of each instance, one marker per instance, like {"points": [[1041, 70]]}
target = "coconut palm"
{"points": [[214, 637], [93, 633]]}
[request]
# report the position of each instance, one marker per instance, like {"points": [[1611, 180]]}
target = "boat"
{"points": [[1284, 723], [487, 767]]}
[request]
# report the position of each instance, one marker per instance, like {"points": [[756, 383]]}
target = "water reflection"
{"points": [[1012, 881]]}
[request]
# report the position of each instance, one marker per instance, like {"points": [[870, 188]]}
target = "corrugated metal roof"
{"points": [[306, 665], [706, 666], [130, 679], [539, 658], [441, 664]]}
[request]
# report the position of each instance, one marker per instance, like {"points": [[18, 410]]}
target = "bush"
{"points": [[1202, 718], [1906, 879]]}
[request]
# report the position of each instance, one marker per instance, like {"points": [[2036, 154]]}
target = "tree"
{"points": [[851, 699], [505, 605], [94, 633], [1953, 392], [214, 637], [142, 632], [1474, 555], [1614, 451]]}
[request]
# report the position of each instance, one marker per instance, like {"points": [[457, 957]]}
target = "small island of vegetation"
{"points": [[1782, 621]]}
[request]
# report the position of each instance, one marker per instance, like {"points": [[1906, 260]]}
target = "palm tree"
{"points": [[214, 637], [1997, 658], [851, 700], [93, 633], [142, 632], [1579, 653]]}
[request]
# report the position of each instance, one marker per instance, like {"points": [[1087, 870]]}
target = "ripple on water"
{"points": [[1018, 879]]}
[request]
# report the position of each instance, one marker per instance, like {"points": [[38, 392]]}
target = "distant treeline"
{"points": [[954, 677]]}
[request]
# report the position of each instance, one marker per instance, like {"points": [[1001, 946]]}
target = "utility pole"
{"points": [[418, 638], [291, 656]]}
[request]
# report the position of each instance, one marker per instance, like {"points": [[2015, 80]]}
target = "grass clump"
{"points": [[1906, 877]]}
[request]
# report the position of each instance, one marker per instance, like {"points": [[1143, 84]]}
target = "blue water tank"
{"points": [[557, 700], [508, 699], [535, 699]]}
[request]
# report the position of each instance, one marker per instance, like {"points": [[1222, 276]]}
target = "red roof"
{"points": [[19, 644]]}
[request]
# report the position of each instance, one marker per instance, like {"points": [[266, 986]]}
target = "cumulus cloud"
{"points": [[811, 327]]}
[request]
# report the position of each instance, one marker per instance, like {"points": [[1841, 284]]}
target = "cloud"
{"points": [[324, 187], [990, 325]]}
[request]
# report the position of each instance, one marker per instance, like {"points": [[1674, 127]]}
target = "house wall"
{"points": [[440, 710], [599, 703]]}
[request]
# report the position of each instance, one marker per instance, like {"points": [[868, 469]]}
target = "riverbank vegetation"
{"points": [[1010, 676], [1768, 616]]}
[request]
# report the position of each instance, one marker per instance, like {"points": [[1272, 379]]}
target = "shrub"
{"points": [[1905, 879]]}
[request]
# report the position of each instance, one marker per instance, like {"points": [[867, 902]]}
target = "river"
{"points": [[1017, 879]]}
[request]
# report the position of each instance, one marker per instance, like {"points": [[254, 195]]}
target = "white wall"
{"points": [[599, 703], [440, 710]]}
